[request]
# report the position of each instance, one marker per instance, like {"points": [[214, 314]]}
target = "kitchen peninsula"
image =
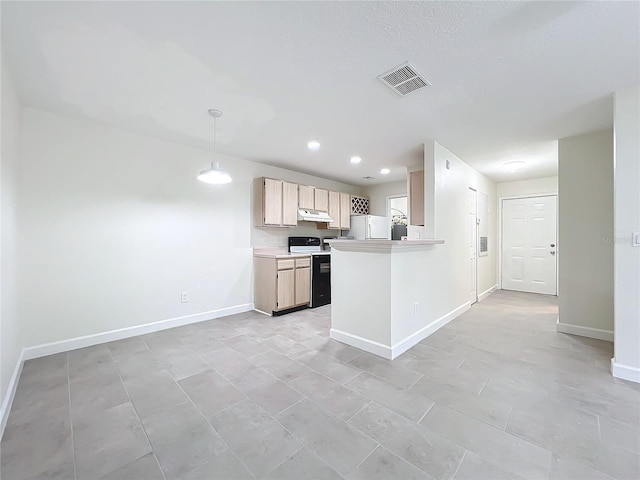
{"points": [[382, 300]]}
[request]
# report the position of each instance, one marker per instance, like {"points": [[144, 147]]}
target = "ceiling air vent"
{"points": [[404, 79]]}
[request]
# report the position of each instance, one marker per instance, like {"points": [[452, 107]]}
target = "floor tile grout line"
{"points": [[208, 422], [361, 409], [416, 381], [288, 457], [460, 464], [397, 453], [425, 413], [135, 410], [377, 445], [483, 385], [73, 445]]}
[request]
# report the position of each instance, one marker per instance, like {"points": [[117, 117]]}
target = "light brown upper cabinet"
{"points": [[289, 204], [345, 211], [275, 203], [339, 210], [416, 197], [334, 209], [306, 194], [321, 199]]}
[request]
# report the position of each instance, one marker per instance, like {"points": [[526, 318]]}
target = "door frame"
{"points": [[476, 235], [515, 197], [389, 197]]}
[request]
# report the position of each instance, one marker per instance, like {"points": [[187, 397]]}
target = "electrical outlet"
{"points": [[184, 297]]}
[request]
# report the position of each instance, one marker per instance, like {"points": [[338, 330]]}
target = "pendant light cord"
{"points": [[214, 144]]}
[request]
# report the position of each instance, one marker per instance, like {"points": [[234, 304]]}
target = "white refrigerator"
{"points": [[369, 227]]}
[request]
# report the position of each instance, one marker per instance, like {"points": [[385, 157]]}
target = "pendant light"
{"points": [[214, 175]]}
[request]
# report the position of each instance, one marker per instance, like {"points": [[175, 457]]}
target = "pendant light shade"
{"points": [[214, 175]]}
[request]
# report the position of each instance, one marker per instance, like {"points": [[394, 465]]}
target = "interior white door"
{"points": [[529, 244], [473, 236]]}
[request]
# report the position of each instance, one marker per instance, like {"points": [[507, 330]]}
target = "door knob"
{"points": [[552, 245]]}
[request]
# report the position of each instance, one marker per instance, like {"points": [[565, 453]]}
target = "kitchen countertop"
{"points": [[277, 253], [382, 245]]}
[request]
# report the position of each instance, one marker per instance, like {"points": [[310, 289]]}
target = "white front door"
{"points": [[529, 244], [473, 235]]}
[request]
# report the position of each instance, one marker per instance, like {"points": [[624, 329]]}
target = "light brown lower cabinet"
{"points": [[303, 285], [281, 283]]}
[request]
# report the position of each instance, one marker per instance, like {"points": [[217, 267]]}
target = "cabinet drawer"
{"points": [[303, 262], [286, 264]]}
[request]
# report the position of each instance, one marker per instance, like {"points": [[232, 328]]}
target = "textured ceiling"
{"points": [[508, 78]]}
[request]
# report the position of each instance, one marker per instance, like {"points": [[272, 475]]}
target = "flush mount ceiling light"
{"points": [[513, 166], [313, 145], [385, 171], [355, 160], [214, 175]]}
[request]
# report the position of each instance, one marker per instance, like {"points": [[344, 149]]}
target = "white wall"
{"points": [[113, 226], [377, 195], [626, 363], [446, 194], [419, 288], [536, 186], [11, 341], [585, 233]]}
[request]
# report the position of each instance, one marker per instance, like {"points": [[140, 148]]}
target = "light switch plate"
{"points": [[635, 240]]}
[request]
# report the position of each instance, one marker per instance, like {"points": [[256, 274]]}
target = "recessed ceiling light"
{"points": [[385, 171], [514, 166], [313, 145], [355, 160]]}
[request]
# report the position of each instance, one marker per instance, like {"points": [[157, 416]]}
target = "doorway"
{"points": [[529, 244], [397, 215], [473, 245]]}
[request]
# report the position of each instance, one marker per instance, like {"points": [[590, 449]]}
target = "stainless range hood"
{"points": [[313, 216]]}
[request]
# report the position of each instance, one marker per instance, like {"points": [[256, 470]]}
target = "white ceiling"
{"points": [[508, 78]]}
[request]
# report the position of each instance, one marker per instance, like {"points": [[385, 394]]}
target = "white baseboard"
{"points": [[488, 292], [584, 331], [362, 343], [45, 349], [403, 345], [11, 393], [127, 332], [625, 372], [391, 352]]}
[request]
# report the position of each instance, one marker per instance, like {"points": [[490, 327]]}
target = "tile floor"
{"points": [[496, 394]]}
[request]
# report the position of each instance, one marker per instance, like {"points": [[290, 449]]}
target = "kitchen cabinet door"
{"points": [[321, 197], [345, 211], [306, 194], [303, 285], [286, 289], [289, 204], [334, 209], [272, 202]]}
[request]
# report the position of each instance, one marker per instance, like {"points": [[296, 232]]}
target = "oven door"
{"points": [[320, 280]]}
